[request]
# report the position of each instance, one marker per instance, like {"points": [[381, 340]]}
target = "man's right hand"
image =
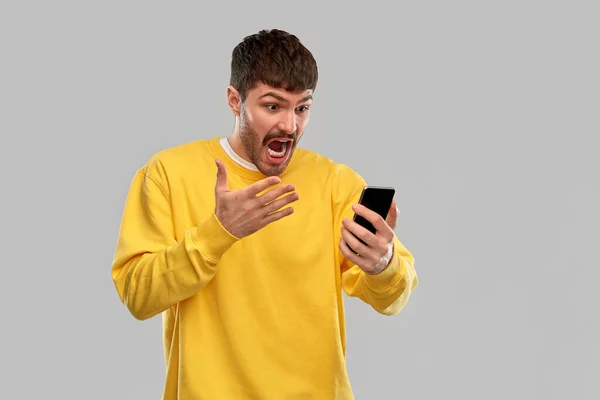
{"points": [[242, 212]]}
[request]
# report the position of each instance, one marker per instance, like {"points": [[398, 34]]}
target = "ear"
{"points": [[234, 100]]}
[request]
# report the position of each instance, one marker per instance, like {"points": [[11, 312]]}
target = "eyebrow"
{"points": [[278, 97]]}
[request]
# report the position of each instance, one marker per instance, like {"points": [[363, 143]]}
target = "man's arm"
{"points": [[151, 270], [389, 290]]}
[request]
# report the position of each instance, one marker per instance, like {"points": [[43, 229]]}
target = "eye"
{"points": [[271, 107], [303, 108]]}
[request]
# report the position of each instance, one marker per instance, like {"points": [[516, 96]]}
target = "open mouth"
{"points": [[278, 149]]}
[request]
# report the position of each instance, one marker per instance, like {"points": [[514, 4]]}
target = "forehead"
{"points": [[263, 91]]}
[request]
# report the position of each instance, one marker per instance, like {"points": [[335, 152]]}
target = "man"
{"points": [[241, 243]]}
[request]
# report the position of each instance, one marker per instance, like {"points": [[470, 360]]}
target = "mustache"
{"points": [[293, 137]]}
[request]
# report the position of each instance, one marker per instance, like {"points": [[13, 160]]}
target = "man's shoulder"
{"points": [[181, 152], [177, 159], [337, 172]]}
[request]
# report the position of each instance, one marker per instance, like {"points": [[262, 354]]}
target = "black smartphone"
{"points": [[378, 199]]}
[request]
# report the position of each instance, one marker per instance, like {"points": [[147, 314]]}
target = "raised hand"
{"points": [[243, 212]]}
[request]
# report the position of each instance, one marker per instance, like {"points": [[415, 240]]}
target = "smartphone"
{"points": [[378, 199]]}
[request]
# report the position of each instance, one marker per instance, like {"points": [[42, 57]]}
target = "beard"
{"points": [[257, 148]]}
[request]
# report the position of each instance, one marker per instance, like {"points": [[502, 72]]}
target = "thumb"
{"points": [[392, 217], [221, 183]]}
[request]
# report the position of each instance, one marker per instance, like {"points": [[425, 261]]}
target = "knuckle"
{"points": [[267, 198], [382, 246], [364, 235]]}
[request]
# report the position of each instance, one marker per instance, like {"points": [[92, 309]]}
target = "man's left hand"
{"points": [[376, 245]]}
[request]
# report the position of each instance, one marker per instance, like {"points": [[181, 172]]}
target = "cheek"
{"points": [[302, 122], [265, 124], [257, 124]]}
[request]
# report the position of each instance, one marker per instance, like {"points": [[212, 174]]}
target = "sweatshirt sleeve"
{"points": [[387, 292], [151, 270]]}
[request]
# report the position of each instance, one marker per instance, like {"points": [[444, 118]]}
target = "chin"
{"points": [[270, 169], [273, 167]]}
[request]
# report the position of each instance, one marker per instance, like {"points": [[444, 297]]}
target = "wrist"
{"points": [[384, 262], [212, 238]]}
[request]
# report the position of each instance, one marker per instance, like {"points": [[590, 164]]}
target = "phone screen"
{"points": [[378, 199]]}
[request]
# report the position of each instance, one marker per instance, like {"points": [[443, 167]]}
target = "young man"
{"points": [[241, 243]]}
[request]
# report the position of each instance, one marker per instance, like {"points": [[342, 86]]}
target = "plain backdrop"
{"points": [[483, 115]]}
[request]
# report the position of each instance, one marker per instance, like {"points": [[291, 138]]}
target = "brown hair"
{"points": [[275, 58]]}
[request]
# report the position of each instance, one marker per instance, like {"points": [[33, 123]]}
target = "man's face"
{"points": [[271, 124]]}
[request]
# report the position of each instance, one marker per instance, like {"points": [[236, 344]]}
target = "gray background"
{"points": [[484, 116]]}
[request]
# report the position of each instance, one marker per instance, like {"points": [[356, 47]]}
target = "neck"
{"points": [[235, 141]]}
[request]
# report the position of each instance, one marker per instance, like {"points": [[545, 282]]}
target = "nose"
{"points": [[287, 123]]}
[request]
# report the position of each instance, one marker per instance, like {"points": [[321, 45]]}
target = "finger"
{"points": [[359, 231], [353, 243], [369, 248], [276, 216], [380, 226], [349, 254], [273, 194], [393, 211], [221, 183], [261, 185], [392, 217], [277, 204]]}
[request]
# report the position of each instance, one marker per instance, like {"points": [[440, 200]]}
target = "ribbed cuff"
{"points": [[393, 273], [212, 239]]}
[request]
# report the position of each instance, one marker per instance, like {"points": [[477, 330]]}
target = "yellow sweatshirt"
{"points": [[260, 317]]}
